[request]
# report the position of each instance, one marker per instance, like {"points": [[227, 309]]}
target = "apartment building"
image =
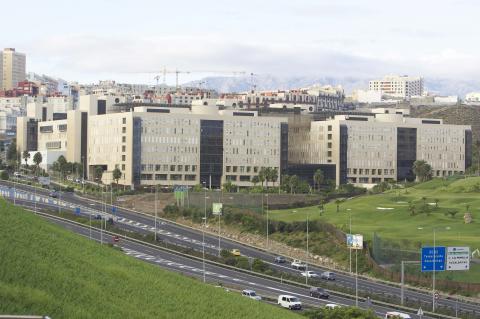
{"points": [[398, 86], [370, 149], [13, 68], [175, 146]]}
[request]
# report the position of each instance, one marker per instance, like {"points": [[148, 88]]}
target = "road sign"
{"points": [[458, 258], [217, 208], [114, 209], [428, 260], [355, 241], [420, 312], [77, 210]]}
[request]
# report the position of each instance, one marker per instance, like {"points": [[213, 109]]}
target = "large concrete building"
{"points": [[383, 146], [13, 69], [398, 86], [186, 147]]}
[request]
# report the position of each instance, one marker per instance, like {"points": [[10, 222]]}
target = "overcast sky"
{"points": [[124, 39]]}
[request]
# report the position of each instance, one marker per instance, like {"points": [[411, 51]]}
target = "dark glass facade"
{"points": [[137, 149], [84, 142], [343, 154], [406, 152], [32, 135], [101, 107], [283, 148], [468, 148], [305, 172], [211, 153]]}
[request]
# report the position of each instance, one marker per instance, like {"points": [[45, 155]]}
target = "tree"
{"points": [[255, 180], [436, 202], [26, 156], [116, 174], [12, 154], [274, 175], [262, 175], [411, 208], [37, 159], [338, 202], [293, 183], [98, 172], [422, 170], [318, 178]]}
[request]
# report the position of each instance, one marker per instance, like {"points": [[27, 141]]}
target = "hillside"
{"points": [[46, 270], [463, 114]]}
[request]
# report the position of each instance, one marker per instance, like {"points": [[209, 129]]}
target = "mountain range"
{"points": [[226, 84]]}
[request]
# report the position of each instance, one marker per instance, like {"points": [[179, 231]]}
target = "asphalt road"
{"points": [[215, 274], [184, 236]]}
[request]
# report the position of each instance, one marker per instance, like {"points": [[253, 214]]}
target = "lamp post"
{"points": [[155, 236], [306, 257], [203, 228], [350, 248], [434, 265], [266, 195]]}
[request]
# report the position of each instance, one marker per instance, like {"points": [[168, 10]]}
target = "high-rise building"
{"points": [[12, 68], [398, 86]]}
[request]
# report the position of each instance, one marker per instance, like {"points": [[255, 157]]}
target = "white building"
{"points": [[473, 98], [13, 68], [398, 86]]}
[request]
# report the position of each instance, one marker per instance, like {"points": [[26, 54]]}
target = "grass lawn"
{"points": [[388, 215], [46, 270]]}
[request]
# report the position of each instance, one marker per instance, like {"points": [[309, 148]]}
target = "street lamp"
{"points": [[155, 236], [203, 229], [306, 257], [266, 195], [434, 262], [350, 248]]}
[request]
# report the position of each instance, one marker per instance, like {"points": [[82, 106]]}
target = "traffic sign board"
{"points": [[420, 312], [77, 210], [433, 259], [114, 209], [458, 258]]}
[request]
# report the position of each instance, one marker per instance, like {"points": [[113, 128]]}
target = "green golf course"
{"points": [[408, 216]]}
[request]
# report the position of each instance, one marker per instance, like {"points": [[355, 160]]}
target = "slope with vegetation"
{"points": [[47, 270]]}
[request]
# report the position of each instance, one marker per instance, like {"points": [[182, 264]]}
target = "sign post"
{"points": [[428, 263], [355, 242], [217, 210], [458, 258], [420, 312]]}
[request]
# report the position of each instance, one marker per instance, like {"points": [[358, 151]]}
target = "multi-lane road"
{"points": [[187, 237]]}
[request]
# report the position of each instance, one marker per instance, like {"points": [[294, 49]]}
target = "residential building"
{"points": [[473, 98], [398, 86], [13, 69]]}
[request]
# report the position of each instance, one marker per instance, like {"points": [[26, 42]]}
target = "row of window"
{"points": [[168, 168], [368, 171], [244, 169], [235, 178], [166, 177]]}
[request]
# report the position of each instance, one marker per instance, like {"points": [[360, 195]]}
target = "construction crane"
{"points": [[177, 72]]}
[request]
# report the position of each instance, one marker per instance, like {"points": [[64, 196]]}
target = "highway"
{"points": [[180, 235], [214, 274]]}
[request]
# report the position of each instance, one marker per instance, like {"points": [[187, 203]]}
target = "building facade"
{"points": [[371, 149], [171, 147], [398, 86], [13, 69]]}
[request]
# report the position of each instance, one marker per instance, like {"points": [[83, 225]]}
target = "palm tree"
{"points": [[26, 156], [262, 175], [411, 208], [436, 202], [274, 175], [37, 159], [116, 174], [255, 180], [338, 202], [422, 170], [318, 178]]}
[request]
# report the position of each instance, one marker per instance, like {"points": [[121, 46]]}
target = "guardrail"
{"points": [[276, 279]]}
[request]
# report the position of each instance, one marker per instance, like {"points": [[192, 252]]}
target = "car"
{"points": [[396, 314], [53, 194], [235, 252], [332, 306], [98, 216], [280, 260], [290, 302], [309, 274], [116, 239], [17, 174], [251, 294], [317, 292], [299, 265], [328, 275]]}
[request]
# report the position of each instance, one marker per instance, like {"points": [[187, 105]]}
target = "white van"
{"points": [[396, 314], [290, 302]]}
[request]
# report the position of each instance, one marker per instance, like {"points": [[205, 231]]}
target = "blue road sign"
{"points": [[77, 210], [114, 209], [428, 263]]}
